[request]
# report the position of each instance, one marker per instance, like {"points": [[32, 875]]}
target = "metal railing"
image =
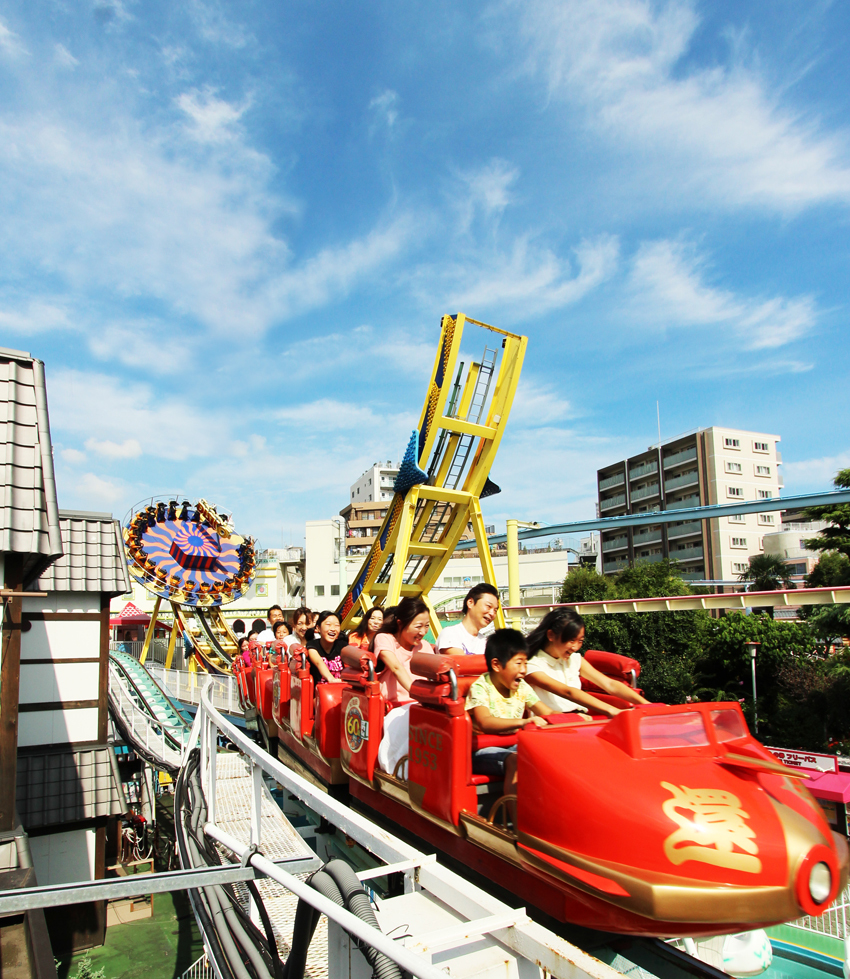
{"points": [[616, 480], [201, 969], [832, 922], [679, 457], [143, 729], [187, 687], [157, 652], [612, 501], [643, 469], [686, 479]]}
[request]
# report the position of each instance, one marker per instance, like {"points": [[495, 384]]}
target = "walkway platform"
{"points": [[278, 840]]}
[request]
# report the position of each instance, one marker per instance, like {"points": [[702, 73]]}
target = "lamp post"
{"points": [[752, 648]]}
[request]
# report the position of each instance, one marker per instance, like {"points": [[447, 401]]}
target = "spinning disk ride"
{"points": [[189, 555]]}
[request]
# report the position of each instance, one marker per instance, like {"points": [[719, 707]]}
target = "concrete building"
{"points": [[709, 466], [788, 544], [376, 484]]}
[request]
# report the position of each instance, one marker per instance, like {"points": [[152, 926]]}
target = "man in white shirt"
{"points": [[464, 638], [274, 614]]}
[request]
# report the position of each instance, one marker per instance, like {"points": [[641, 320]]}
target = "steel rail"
{"points": [[411, 962], [772, 505], [838, 595], [58, 895]]}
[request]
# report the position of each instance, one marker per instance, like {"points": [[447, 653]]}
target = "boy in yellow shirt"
{"points": [[497, 702]]}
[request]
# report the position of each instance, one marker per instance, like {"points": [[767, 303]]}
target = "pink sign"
{"points": [[806, 759]]}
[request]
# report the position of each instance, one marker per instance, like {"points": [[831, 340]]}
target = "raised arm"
{"points": [[616, 688], [320, 664], [542, 681]]}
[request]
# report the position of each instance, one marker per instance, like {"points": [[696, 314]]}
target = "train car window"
{"points": [[672, 731], [728, 725]]}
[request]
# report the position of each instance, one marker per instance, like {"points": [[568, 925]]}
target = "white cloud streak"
{"points": [[669, 289], [715, 135]]}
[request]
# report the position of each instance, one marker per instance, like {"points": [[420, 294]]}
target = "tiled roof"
{"points": [[64, 786], [29, 520], [94, 556]]}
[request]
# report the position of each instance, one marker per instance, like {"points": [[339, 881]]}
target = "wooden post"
{"points": [[103, 674], [10, 678]]}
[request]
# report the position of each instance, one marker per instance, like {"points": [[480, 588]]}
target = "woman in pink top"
{"points": [[400, 637]]}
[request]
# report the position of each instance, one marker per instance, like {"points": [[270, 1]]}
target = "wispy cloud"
{"points": [[814, 474], [717, 134], [487, 191], [128, 449], [34, 316], [528, 277], [669, 289], [385, 108], [212, 119], [64, 57], [10, 43], [216, 27]]}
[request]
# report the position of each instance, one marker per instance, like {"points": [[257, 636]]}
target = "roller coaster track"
{"points": [[144, 713], [212, 641]]}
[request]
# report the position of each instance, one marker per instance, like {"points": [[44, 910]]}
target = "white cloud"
{"points": [[814, 474], [159, 346], [135, 213], [528, 277], [10, 42], [110, 412], [668, 289], [212, 118], [37, 316], [326, 415], [486, 190], [215, 27], [64, 57], [385, 107], [716, 134], [128, 449], [73, 456], [97, 489], [537, 404]]}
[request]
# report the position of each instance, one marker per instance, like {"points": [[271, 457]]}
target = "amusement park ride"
{"points": [[663, 821]]}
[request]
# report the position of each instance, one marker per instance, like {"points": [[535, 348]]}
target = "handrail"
{"points": [[141, 725], [181, 725]]}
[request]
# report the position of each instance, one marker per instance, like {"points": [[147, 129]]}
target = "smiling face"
{"points": [[329, 630], [559, 648], [275, 615], [300, 626], [374, 621], [481, 613], [414, 631], [507, 677]]}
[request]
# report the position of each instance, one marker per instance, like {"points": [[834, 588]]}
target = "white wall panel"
{"points": [[57, 726], [48, 682], [64, 858], [61, 640], [59, 601]]}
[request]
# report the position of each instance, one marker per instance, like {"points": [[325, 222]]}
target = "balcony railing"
{"points": [[687, 553], [688, 501], [679, 457], [613, 501], [645, 491], [677, 482], [615, 544], [643, 469], [650, 537], [649, 559], [618, 479], [614, 565], [686, 529]]}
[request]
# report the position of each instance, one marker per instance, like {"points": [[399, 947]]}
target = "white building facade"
{"points": [[376, 484]]}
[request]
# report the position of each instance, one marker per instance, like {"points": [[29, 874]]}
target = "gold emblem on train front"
{"points": [[712, 829]]}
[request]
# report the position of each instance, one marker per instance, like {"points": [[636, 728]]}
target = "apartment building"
{"points": [[376, 484], [709, 466]]}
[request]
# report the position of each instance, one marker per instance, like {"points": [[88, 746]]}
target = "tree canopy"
{"points": [[836, 537]]}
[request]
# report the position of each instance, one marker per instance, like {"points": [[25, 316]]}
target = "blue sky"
{"points": [[230, 231]]}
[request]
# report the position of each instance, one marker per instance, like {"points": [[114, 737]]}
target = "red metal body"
{"points": [[662, 821]]}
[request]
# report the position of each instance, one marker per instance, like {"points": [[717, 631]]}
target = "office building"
{"points": [[708, 466]]}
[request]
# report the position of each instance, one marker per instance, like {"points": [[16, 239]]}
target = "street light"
{"points": [[752, 649]]}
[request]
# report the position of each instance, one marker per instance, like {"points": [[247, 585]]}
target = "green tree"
{"points": [[767, 573], [832, 569], [584, 584], [836, 537], [725, 662]]}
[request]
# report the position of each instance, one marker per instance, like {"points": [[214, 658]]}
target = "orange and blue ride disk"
{"points": [[193, 560]]}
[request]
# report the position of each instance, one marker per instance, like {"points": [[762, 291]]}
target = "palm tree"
{"points": [[767, 573]]}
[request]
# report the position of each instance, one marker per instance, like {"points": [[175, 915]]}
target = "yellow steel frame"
{"points": [[405, 529]]}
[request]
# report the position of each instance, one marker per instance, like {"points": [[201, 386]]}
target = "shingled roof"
{"points": [[29, 516], [94, 556], [64, 785]]}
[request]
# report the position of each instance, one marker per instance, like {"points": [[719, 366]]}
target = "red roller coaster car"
{"points": [[665, 821]]}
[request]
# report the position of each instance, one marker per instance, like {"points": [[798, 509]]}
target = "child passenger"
{"points": [[497, 702], [556, 668]]}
